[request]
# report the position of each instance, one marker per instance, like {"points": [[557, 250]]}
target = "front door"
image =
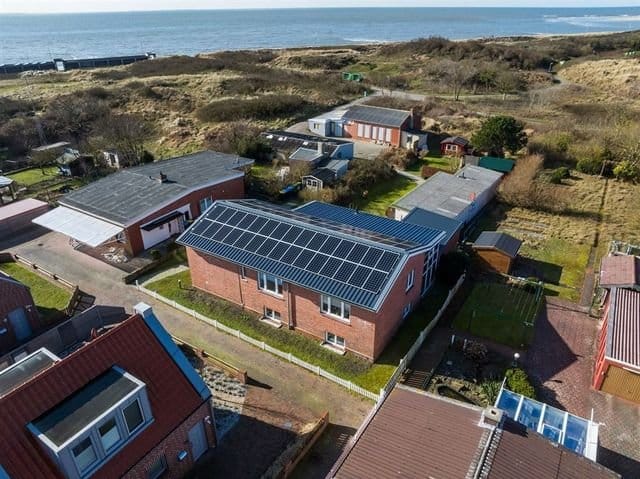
{"points": [[20, 324], [198, 440]]}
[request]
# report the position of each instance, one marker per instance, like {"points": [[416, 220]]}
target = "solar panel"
{"points": [[371, 257], [254, 244], [257, 224], [268, 228], [344, 272], [303, 259], [277, 252], [233, 236], [375, 281], [317, 241], [330, 245], [266, 247], [243, 240], [319, 260], [343, 249], [200, 227], [236, 218], [225, 215], [246, 221], [387, 261], [292, 234], [215, 212], [291, 254], [221, 232], [357, 253], [280, 231], [304, 238], [359, 276], [330, 267]]}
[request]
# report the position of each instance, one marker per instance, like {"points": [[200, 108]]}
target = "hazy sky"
{"points": [[56, 6]]}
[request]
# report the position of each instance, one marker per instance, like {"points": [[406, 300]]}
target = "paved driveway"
{"points": [[560, 360], [293, 384]]}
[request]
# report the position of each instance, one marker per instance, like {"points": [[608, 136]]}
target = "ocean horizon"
{"points": [[26, 37]]}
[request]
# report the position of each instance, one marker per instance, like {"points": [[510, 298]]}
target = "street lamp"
{"points": [[516, 356]]}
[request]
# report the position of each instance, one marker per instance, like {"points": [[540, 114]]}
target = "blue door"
{"points": [[20, 324]]}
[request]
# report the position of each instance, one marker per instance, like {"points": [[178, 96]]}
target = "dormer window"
{"points": [[84, 431]]}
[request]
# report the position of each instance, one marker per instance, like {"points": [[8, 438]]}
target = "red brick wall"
{"points": [[352, 132], [13, 296], [171, 446], [232, 189], [366, 334]]}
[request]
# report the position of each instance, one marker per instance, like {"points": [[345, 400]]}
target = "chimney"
{"points": [[416, 119], [491, 416]]}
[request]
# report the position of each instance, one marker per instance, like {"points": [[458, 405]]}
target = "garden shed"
{"points": [[497, 250]]}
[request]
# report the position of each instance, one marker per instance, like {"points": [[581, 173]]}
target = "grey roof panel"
{"points": [[500, 241], [305, 154], [430, 219], [377, 115], [129, 193]]}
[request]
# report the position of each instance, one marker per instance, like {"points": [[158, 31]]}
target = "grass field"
{"points": [[361, 372], [33, 176], [49, 298], [382, 195], [444, 164], [500, 312]]}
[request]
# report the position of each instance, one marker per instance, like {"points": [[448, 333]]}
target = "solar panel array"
{"points": [[322, 252]]}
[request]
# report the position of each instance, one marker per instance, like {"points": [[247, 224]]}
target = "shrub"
{"points": [[262, 108], [499, 133], [591, 165], [491, 389], [518, 382], [627, 170], [558, 175], [155, 254]]}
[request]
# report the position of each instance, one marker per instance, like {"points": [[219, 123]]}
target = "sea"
{"points": [[34, 38]]}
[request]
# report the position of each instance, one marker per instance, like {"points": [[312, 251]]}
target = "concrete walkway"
{"points": [[294, 384]]}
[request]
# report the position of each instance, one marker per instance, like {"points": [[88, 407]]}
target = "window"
{"points": [[243, 272], [205, 203], [272, 314], [335, 307], [410, 279], [367, 131], [109, 434], [335, 340], [360, 130], [84, 454], [406, 310], [133, 416], [270, 284], [157, 468]]}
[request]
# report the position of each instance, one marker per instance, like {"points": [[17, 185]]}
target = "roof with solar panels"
{"points": [[354, 263]]}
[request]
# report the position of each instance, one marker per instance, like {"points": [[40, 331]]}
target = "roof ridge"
{"points": [[380, 107]]}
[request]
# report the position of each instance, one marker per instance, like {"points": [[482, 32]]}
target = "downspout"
{"points": [[240, 286], [289, 310]]}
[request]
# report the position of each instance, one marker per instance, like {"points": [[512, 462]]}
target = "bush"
{"points": [[627, 170], [558, 175], [155, 254], [591, 165], [518, 382], [266, 107]]}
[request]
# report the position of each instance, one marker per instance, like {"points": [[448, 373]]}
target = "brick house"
{"points": [[349, 282], [121, 400], [455, 146], [145, 205], [617, 367], [18, 313], [373, 124]]}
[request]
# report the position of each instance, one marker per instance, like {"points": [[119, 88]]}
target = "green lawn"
{"points": [[50, 299], [350, 367], [33, 176], [562, 264], [442, 163], [499, 312], [382, 195]]}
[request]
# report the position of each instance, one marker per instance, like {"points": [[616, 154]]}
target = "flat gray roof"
{"points": [[448, 194], [376, 115], [79, 410], [20, 372], [129, 193]]}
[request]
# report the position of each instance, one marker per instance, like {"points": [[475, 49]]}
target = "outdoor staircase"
{"points": [[416, 379]]}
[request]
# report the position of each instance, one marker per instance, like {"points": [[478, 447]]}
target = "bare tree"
{"points": [[126, 134], [455, 74], [506, 82]]}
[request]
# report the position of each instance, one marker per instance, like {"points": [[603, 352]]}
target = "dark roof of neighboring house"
{"points": [[502, 165], [356, 265], [305, 154], [497, 240], [17, 208], [130, 193], [450, 195], [417, 434], [423, 234], [287, 141], [518, 452], [326, 175], [620, 270], [137, 345], [623, 326], [456, 140], [376, 115], [421, 217]]}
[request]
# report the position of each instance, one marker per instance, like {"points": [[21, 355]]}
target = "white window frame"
{"points": [[243, 273], [206, 202], [345, 308], [411, 278], [272, 314], [406, 310], [124, 406], [328, 335], [263, 280]]}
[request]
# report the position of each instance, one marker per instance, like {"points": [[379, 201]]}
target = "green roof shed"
{"points": [[503, 165]]}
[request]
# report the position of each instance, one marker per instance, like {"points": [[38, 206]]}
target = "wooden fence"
{"points": [[240, 374], [312, 367]]}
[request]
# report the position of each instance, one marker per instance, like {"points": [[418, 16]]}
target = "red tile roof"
{"points": [[132, 346], [621, 270], [623, 328]]}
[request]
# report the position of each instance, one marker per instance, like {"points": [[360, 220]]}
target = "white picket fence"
{"points": [[312, 367]]}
